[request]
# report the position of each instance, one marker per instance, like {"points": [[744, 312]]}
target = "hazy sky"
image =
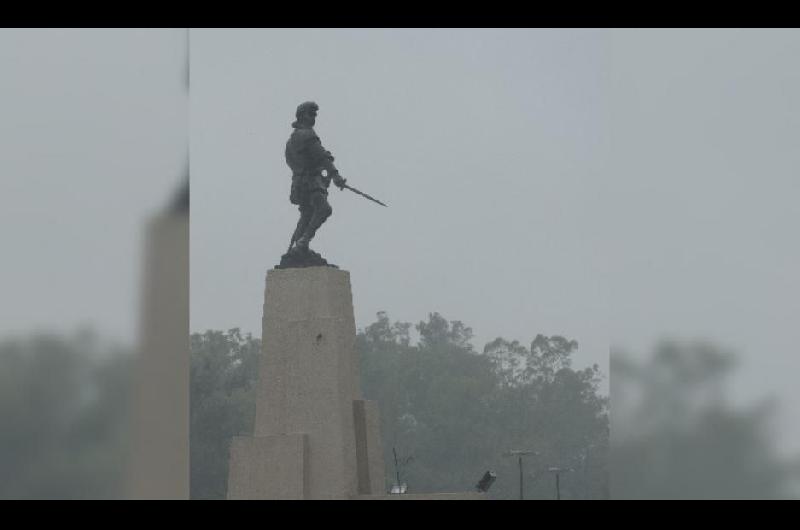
{"points": [[483, 143], [93, 129], [702, 206]]}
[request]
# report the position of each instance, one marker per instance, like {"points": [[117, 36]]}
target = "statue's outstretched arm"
{"points": [[324, 159]]}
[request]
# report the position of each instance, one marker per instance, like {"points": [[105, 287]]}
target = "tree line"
{"points": [[448, 413]]}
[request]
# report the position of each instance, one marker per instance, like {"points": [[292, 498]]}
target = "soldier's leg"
{"points": [[322, 210], [306, 212]]}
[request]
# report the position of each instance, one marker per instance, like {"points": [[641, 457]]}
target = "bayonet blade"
{"points": [[363, 194]]}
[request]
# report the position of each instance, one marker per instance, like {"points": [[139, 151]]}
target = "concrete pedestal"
{"points": [[269, 467], [314, 437]]}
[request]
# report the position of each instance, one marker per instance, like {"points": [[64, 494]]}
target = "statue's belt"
{"points": [[310, 180]]}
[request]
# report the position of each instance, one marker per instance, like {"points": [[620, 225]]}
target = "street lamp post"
{"points": [[519, 453], [558, 488], [558, 471]]}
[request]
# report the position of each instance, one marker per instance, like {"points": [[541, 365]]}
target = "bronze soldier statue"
{"points": [[308, 160]]}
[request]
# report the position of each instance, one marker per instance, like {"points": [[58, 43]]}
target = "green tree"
{"points": [[456, 411], [224, 371], [64, 415], [677, 436]]}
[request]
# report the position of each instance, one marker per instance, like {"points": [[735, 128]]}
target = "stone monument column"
{"points": [[314, 436]]}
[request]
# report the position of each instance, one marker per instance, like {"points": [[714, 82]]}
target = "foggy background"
{"points": [[702, 207], [93, 128], [94, 140], [701, 228]]}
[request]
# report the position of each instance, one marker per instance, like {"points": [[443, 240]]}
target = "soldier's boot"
{"points": [[301, 245], [322, 210], [305, 217]]}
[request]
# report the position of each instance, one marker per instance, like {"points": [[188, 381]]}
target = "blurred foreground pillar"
{"points": [[159, 467]]}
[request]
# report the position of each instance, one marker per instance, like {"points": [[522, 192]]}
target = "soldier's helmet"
{"points": [[302, 108]]}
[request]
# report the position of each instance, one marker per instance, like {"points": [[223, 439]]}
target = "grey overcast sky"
{"points": [[484, 143], [702, 204], [93, 129]]}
